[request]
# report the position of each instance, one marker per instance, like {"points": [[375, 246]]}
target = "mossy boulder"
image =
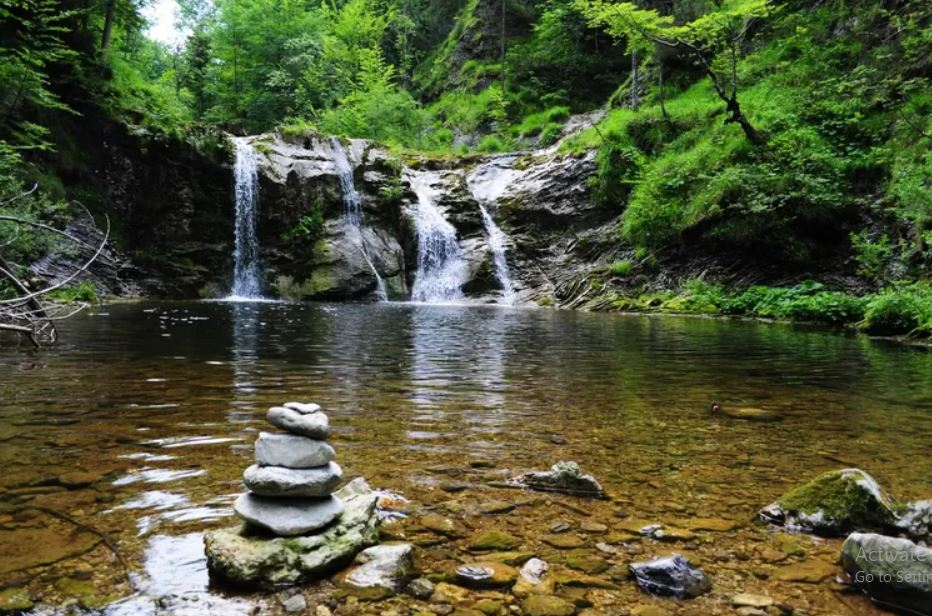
{"points": [[835, 503], [235, 555], [14, 600]]}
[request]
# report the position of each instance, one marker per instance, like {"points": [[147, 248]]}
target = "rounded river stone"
{"points": [[288, 517], [311, 425], [292, 451], [281, 481]]}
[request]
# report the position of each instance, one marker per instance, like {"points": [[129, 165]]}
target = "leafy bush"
{"points": [[84, 291], [620, 268], [872, 255], [902, 311]]}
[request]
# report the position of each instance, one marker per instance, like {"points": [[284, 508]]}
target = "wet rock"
{"points": [[454, 486], [292, 451], [547, 605], [294, 604], [311, 425], [719, 525], [448, 593], [897, 572], [14, 600], [494, 541], [564, 542], [564, 478], [240, 557], [496, 506], [79, 479], [281, 481], [534, 570], [575, 579], [379, 572], [420, 588], [596, 528], [25, 548], [440, 525], [585, 561], [490, 607], [748, 600], [288, 518], [85, 592], [486, 575], [807, 572], [649, 610], [916, 520], [834, 503], [671, 576], [509, 558]]}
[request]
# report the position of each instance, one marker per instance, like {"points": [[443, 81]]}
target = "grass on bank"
{"points": [[897, 311]]}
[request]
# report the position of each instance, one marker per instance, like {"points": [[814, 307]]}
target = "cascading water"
{"points": [[486, 184], [441, 270], [352, 208], [247, 281]]}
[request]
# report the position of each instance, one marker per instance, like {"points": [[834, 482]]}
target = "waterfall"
{"points": [[441, 270], [352, 208], [246, 278], [486, 184]]}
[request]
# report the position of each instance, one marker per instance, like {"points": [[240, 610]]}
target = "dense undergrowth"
{"points": [[898, 311]]}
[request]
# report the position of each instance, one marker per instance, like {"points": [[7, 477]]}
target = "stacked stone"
{"points": [[292, 482]]}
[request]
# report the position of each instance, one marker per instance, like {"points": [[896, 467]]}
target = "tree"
{"points": [[713, 39]]}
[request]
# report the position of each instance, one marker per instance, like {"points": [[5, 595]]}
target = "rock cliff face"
{"points": [[554, 233]]}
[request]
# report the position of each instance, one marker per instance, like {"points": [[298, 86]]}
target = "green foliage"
{"points": [[873, 255], [84, 291], [536, 123], [308, 229], [904, 310], [620, 268]]}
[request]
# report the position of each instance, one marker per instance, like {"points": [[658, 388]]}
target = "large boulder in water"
{"points": [[236, 555], [895, 572], [835, 503], [563, 477], [916, 520]]}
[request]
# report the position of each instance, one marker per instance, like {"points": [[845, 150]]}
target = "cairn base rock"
{"points": [[236, 556]]}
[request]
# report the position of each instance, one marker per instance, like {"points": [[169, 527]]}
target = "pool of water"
{"points": [[138, 425]]}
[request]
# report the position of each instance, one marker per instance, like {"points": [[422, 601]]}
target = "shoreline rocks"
{"points": [[892, 571], [833, 504]]}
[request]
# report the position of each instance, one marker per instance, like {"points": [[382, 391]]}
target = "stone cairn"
{"points": [[291, 484]]}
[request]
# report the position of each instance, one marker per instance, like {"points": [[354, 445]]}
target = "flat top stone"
{"points": [[288, 517]]}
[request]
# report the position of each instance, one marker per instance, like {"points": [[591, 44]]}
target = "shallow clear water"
{"points": [[157, 405]]}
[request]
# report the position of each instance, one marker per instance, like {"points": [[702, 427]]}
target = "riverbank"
{"points": [[902, 312]]}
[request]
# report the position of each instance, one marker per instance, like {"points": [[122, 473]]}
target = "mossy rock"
{"points": [[14, 600], [86, 592], [835, 503]]}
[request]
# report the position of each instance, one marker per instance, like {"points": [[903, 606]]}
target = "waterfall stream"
{"points": [[441, 270], [247, 280], [486, 184], [352, 209]]}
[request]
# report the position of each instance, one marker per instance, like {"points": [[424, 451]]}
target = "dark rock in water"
{"points": [[379, 572], [288, 517], [292, 451], [916, 520], [834, 503], [420, 588], [563, 477], [242, 558], [281, 481], [894, 572], [672, 576]]}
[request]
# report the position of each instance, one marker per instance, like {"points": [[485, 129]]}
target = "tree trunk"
{"points": [[736, 116], [110, 8], [502, 59], [635, 81]]}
